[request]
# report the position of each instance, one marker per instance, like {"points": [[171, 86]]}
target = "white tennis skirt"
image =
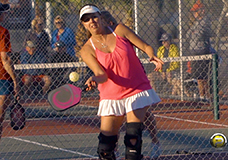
{"points": [[123, 106]]}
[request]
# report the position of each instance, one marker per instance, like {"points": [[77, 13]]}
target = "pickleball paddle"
{"points": [[65, 97]]}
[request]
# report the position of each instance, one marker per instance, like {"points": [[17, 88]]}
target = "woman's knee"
{"points": [[137, 115], [110, 125], [47, 80], [133, 140], [106, 146], [27, 80]]}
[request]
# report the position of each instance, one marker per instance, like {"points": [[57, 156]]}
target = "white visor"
{"points": [[88, 9]]}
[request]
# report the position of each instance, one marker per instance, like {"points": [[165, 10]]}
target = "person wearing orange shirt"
{"points": [[199, 44], [8, 81]]}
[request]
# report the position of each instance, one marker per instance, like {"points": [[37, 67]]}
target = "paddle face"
{"points": [[64, 97], [17, 116]]}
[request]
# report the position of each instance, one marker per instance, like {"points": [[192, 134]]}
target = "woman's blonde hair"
{"points": [[35, 21], [82, 35]]}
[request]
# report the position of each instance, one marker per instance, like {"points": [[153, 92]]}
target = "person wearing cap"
{"points": [[29, 55], [39, 36], [199, 44], [122, 82], [8, 80], [64, 34], [170, 71]]}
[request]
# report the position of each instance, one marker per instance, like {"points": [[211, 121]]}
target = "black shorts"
{"points": [[201, 69]]}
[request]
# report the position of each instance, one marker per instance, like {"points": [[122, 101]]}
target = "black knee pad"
{"points": [[106, 147], [133, 131]]}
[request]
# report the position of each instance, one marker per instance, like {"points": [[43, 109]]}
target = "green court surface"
{"points": [[83, 146]]}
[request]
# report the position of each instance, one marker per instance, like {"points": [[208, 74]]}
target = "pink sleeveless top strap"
{"points": [[126, 75]]}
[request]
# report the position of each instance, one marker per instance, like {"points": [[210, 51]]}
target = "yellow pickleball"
{"points": [[74, 76]]}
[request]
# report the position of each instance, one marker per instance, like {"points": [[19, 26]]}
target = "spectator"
{"points": [[64, 34], [199, 39], [29, 55], [170, 71], [39, 36], [8, 81], [160, 32]]}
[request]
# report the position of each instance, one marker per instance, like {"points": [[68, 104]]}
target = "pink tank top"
{"points": [[126, 75]]}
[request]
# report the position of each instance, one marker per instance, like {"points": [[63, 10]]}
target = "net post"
{"points": [[215, 86]]}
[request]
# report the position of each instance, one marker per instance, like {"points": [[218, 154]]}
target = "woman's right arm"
{"points": [[88, 56]]}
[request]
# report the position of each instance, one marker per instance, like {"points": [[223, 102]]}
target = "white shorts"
{"points": [[123, 106]]}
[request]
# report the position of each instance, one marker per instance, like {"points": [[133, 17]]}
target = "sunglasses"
{"points": [[60, 22], [87, 18]]}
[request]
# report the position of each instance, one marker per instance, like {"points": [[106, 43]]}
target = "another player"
{"points": [[121, 79], [8, 81]]}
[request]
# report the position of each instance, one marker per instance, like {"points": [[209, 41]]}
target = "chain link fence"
{"points": [[186, 118]]}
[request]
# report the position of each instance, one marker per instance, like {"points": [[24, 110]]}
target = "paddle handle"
{"points": [[85, 87]]}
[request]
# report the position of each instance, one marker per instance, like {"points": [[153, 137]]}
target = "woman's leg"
{"points": [[4, 102], [110, 124], [27, 80], [150, 124], [207, 89], [204, 89], [47, 83], [133, 137], [201, 88], [108, 136]]}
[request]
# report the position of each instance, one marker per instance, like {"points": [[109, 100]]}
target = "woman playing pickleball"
{"points": [[121, 79]]}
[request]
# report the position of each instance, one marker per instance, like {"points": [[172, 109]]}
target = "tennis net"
{"points": [[82, 64], [186, 85]]}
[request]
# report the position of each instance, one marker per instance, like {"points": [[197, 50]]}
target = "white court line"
{"points": [[191, 121], [52, 147]]}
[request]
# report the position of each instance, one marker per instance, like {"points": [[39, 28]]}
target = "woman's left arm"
{"points": [[125, 32]]}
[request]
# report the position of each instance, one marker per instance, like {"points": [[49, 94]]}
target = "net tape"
{"points": [[82, 64]]}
